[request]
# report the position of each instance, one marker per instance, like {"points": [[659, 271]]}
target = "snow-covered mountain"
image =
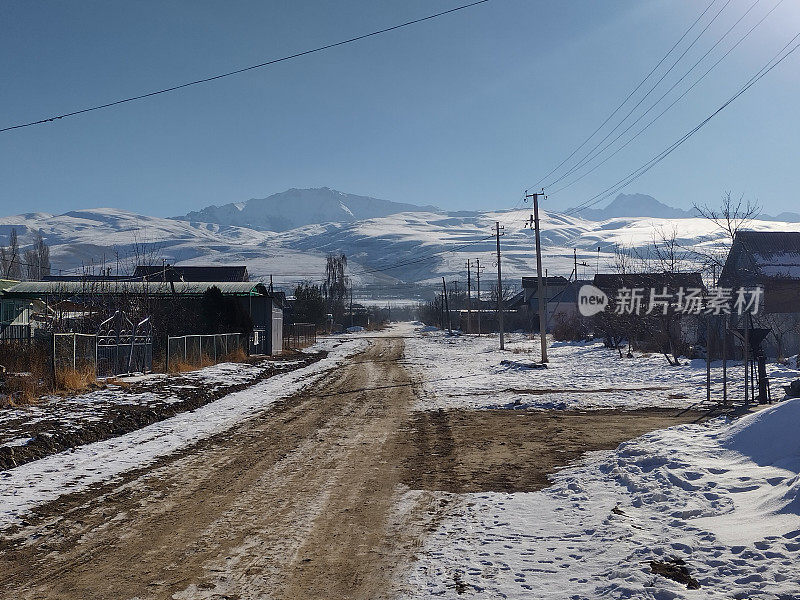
{"points": [[636, 205], [415, 247], [295, 208]]}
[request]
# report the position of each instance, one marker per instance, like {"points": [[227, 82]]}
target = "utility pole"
{"points": [[480, 307], [575, 260], [542, 304], [447, 307], [469, 296], [351, 307], [498, 229]]}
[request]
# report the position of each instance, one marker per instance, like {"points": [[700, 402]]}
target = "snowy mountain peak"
{"points": [[635, 205], [298, 207]]}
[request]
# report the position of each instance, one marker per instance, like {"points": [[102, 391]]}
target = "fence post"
{"points": [[166, 357], [74, 342], [185, 353]]}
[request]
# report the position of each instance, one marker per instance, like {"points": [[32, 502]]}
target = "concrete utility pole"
{"points": [[447, 307], [478, 272], [498, 229], [542, 303], [469, 297]]}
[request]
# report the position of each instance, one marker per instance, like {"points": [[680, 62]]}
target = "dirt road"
{"points": [[327, 495]]}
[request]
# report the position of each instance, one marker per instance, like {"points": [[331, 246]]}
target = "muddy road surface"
{"points": [[328, 494]]}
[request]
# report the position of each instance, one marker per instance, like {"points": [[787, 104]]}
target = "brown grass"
{"points": [[22, 389], [182, 366], [238, 355], [70, 381]]}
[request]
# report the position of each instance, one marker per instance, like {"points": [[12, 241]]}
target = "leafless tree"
{"points": [[667, 254], [10, 257], [733, 215], [37, 259], [335, 287]]}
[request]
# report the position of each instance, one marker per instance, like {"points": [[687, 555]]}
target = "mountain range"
{"points": [[289, 235]]}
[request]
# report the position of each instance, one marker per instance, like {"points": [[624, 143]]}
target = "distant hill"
{"points": [[298, 207], [642, 205]]}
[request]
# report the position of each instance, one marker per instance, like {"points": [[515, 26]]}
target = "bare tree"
{"points": [[667, 254], [732, 216], [10, 257], [335, 287], [37, 259]]}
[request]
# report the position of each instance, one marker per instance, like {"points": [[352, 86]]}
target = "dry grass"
{"points": [[182, 366], [23, 389], [70, 381], [238, 355]]}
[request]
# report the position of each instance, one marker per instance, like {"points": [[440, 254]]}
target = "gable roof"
{"points": [[759, 255], [550, 281], [192, 273], [615, 281], [40, 289]]}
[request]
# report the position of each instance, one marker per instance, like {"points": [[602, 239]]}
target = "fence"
{"points": [[299, 335], [16, 333], [123, 347], [196, 349], [74, 352]]}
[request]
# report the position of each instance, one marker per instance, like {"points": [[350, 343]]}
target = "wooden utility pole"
{"points": [[498, 229], [541, 293], [480, 307], [447, 307]]}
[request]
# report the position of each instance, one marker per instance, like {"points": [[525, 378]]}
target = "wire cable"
{"points": [[643, 98], [242, 70], [628, 97], [673, 103], [769, 66]]}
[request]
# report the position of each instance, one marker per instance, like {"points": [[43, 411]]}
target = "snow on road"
{"points": [[40, 481], [471, 372]]}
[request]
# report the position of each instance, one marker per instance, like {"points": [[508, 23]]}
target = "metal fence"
{"points": [[75, 352], [16, 333], [299, 335], [196, 349], [124, 347]]}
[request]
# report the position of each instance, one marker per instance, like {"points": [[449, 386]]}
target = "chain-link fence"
{"points": [[299, 335], [74, 352], [187, 351]]}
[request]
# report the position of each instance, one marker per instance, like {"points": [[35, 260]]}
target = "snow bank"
{"points": [[37, 482], [721, 497]]}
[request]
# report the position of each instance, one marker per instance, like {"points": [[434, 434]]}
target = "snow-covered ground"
{"points": [[40, 481], [471, 372], [724, 498]]}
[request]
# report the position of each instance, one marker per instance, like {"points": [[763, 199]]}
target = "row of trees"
{"points": [[32, 264]]}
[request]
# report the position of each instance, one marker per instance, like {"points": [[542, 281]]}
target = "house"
{"points": [[649, 330], [175, 307], [205, 273], [770, 260], [564, 304], [553, 285]]}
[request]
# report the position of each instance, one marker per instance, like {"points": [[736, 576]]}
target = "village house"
{"points": [[770, 260]]}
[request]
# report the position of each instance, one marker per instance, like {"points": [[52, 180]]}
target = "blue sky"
{"points": [[463, 112]]}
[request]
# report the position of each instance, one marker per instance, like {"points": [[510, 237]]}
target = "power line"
{"points": [[771, 64], [674, 102], [244, 69], [628, 97], [642, 99]]}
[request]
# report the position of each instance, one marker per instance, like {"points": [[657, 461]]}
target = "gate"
{"points": [[124, 347]]}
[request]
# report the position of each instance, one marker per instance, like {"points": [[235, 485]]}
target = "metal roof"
{"points": [[769, 243], [36, 289], [615, 281], [7, 283], [192, 272]]}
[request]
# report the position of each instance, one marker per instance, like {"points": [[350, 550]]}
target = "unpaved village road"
{"points": [[328, 494]]}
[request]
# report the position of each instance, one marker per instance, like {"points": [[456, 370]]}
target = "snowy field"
{"points": [[40, 481], [471, 372], [724, 498]]}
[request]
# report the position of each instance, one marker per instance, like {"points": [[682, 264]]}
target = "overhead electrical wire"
{"points": [[241, 70], [675, 101], [761, 73], [628, 97], [643, 98]]}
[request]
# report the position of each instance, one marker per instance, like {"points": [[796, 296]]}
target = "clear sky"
{"points": [[463, 112]]}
